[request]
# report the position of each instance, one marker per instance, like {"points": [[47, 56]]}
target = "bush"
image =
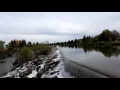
{"points": [[41, 49], [115, 43], [26, 53]]}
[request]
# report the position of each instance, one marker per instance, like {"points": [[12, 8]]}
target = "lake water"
{"points": [[7, 66], [103, 59]]}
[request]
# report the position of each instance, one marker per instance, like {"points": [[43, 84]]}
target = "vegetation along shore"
{"points": [[41, 60]]}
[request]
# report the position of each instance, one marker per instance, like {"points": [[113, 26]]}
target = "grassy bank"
{"points": [[30, 53]]}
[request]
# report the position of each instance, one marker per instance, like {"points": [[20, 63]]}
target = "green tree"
{"points": [[84, 38], [29, 44], [89, 37], [65, 42], [71, 41], [76, 41], [2, 45], [37, 43], [115, 35], [106, 36], [95, 39]]}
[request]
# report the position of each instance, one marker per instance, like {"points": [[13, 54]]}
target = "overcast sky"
{"points": [[55, 26]]}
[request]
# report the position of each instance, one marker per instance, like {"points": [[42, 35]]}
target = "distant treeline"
{"points": [[109, 52], [13, 45], [106, 37], [24, 50]]}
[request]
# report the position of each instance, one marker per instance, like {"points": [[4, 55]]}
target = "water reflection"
{"points": [[107, 51]]}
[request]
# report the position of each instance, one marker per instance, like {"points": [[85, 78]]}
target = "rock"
{"points": [[7, 77], [13, 69], [57, 62], [50, 63], [54, 56], [47, 72], [13, 76], [54, 72], [29, 66], [41, 72], [53, 64], [47, 67], [39, 62], [15, 63], [2, 61], [47, 61], [25, 77], [37, 69], [40, 59], [24, 74], [27, 63], [55, 77], [21, 75], [36, 63], [21, 65], [50, 57]]}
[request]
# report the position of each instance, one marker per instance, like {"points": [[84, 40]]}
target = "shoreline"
{"points": [[50, 66]]}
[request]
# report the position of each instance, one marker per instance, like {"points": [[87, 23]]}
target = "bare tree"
{"points": [[116, 34], [46, 42]]}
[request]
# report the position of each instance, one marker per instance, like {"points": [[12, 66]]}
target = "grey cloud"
{"points": [[57, 24]]}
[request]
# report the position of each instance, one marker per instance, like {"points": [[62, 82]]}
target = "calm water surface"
{"points": [[104, 59], [7, 66]]}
